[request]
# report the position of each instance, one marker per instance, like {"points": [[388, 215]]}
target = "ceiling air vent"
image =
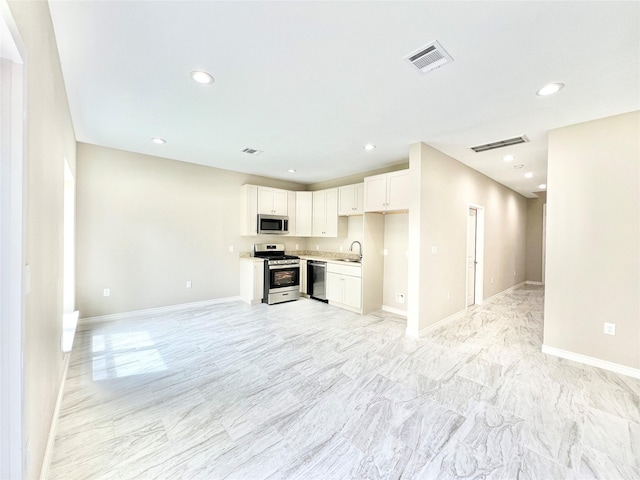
{"points": [[502, 143], [429, 57], [252, 151]]}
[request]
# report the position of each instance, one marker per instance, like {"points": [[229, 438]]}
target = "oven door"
{"points": [[282, 283]]}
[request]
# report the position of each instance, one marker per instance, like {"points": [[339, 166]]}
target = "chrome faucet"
{"points": [[351, 247]]}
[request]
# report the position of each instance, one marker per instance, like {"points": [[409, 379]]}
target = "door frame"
{"points": [[14, 280], [479, 273], [544, 239]]}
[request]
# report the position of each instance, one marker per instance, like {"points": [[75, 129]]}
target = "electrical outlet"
{"points": [[385, 251], [340, 248], [231, 248], [189, 284], [296, 246], [514, 273], [491, 281], [609, 328], [317, 247], [399, 297], [106, 292], [434, 250]]}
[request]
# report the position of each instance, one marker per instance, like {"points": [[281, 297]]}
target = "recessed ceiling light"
{"points": [[158, 141], [369, 146], [542, 186], [291, 170], [528, 175], [201, 77], [550, 89], [517, 167], [508, 158]]}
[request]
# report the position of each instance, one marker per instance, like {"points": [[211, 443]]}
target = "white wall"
{"points": [[442, 189], [534, 236], [147, 225], [593, 239], [396, 262], [50, 137]]}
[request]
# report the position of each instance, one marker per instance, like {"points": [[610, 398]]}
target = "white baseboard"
{"points": [[396, 311], [48, 452], [444, 321], [594, 362], [440, 323], [84, 322], [504, 292], [532, 282]]}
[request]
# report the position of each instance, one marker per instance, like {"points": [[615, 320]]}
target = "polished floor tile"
{"points": [[304, 390]]}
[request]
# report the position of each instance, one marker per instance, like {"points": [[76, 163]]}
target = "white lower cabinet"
{"points": [[344, 285], [303, 276], [251, 280]]}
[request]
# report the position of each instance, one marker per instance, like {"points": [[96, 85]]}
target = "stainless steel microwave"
{"points": [[273, 224]]}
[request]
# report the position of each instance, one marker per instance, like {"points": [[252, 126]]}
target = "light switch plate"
{"points": [[609, 328], [434, 250]]}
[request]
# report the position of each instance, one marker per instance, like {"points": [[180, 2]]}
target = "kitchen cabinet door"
{"points": [[319, 213], [280, 202], [291, 213], [248, 210], [398, 190], [325, 213], [251, 280], [352, 291], [304, 214], [303, 276], [334, 287], [387, 192], [350, 198], [331, 213], [359, 199], [375, 193], [272, 201]]}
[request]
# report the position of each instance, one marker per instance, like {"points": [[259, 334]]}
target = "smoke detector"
{"points": [[429, 57]]}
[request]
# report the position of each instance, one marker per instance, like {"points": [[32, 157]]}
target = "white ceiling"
{"points": [[310, 83]]}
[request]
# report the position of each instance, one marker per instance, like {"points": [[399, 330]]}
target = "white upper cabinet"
{"points": [[249, 210], [273, 201], [292, 213], [325, 213], [304, 214], [387, 192], [350, 199]]}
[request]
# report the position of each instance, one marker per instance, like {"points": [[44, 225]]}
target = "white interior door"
{"points": [[471, 256]]}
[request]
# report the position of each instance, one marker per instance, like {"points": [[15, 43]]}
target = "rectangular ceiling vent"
{"points": [[252, 151], [429, 57], [502, 143]]}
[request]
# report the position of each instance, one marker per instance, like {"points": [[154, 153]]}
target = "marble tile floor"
{"points": [[304, 390]]}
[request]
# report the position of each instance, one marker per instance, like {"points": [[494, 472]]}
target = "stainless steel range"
{"points": [[281, 273]]}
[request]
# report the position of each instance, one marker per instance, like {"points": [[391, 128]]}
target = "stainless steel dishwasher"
{"points": [[316, 284]]}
